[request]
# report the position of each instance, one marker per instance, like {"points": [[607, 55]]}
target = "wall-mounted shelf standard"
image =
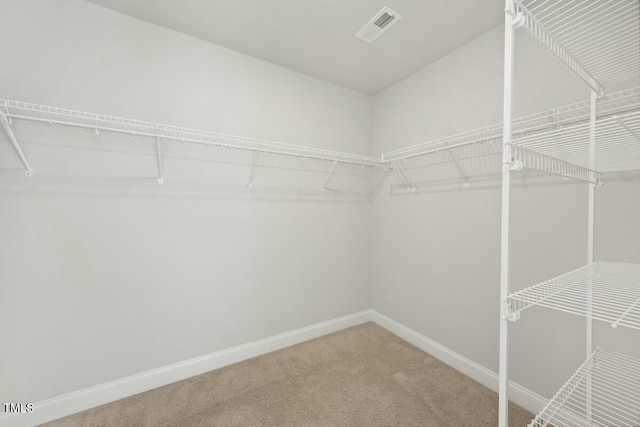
{"points": [[607, 291], [45, 125], [604, 391]]}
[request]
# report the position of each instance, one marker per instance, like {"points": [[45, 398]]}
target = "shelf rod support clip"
{"points": [[326, 179], [517, 16], [512, 315], [6, 125]]}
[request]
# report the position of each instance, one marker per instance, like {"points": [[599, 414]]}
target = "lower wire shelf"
{"points": [[606, 291], [604, 391]]}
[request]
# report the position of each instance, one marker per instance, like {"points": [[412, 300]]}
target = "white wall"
{"points": [[436, 254], [106, 274]]}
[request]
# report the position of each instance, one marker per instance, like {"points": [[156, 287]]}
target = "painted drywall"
{"points": [[103, 272], [436, 254]]}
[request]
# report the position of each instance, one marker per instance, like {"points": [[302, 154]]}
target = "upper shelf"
{"points": [[607, 291], [99, 122], [242, 162], [599, 41], [554, 141]]}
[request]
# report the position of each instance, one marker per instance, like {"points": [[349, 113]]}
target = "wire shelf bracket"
{"points": [[6, 125], [328, 177], [463, 176], [381, 183], [159, 160], [402, 173], [252, 168]]}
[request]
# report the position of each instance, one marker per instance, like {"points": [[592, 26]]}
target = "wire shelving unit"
{"points": [[28, 123], [599, 42]]}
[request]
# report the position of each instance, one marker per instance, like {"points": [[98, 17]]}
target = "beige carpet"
{"points": [[361, 376]]}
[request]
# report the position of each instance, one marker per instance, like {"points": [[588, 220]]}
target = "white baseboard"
{"points": [[71, 403], [517, 394]]}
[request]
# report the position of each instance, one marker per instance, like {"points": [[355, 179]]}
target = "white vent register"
{"points": [[377, 25]]}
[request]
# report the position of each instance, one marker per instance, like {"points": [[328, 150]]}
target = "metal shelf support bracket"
{"points": [[516, 165], [252, 170], [404, 176], [463, 176], [384, 178], [159, 162], [328, 177], [6, 125], [513, 317]]}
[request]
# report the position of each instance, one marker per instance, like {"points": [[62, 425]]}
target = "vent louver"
{"points": [[384, 20], [380, 23]]}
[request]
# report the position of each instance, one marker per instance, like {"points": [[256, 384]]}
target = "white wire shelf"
{"points": [[599, 41], [606, 291], [478, 153], [617, 145], [604, 391], [248, 162], [621, 102], [553, 141], [98, 122]]}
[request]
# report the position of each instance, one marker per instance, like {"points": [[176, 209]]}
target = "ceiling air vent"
{"points": [[380, 23]]}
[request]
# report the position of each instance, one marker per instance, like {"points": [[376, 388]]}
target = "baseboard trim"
{"points": [[71, 403], [518, 394]]}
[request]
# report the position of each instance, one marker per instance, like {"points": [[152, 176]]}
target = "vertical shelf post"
{"points": [[503, 387], [590, 235]]}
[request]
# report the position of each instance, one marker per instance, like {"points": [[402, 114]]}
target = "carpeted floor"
{"points": [[361, 376]]}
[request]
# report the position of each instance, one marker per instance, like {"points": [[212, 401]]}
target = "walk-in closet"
{"points": [[295, 213]]}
